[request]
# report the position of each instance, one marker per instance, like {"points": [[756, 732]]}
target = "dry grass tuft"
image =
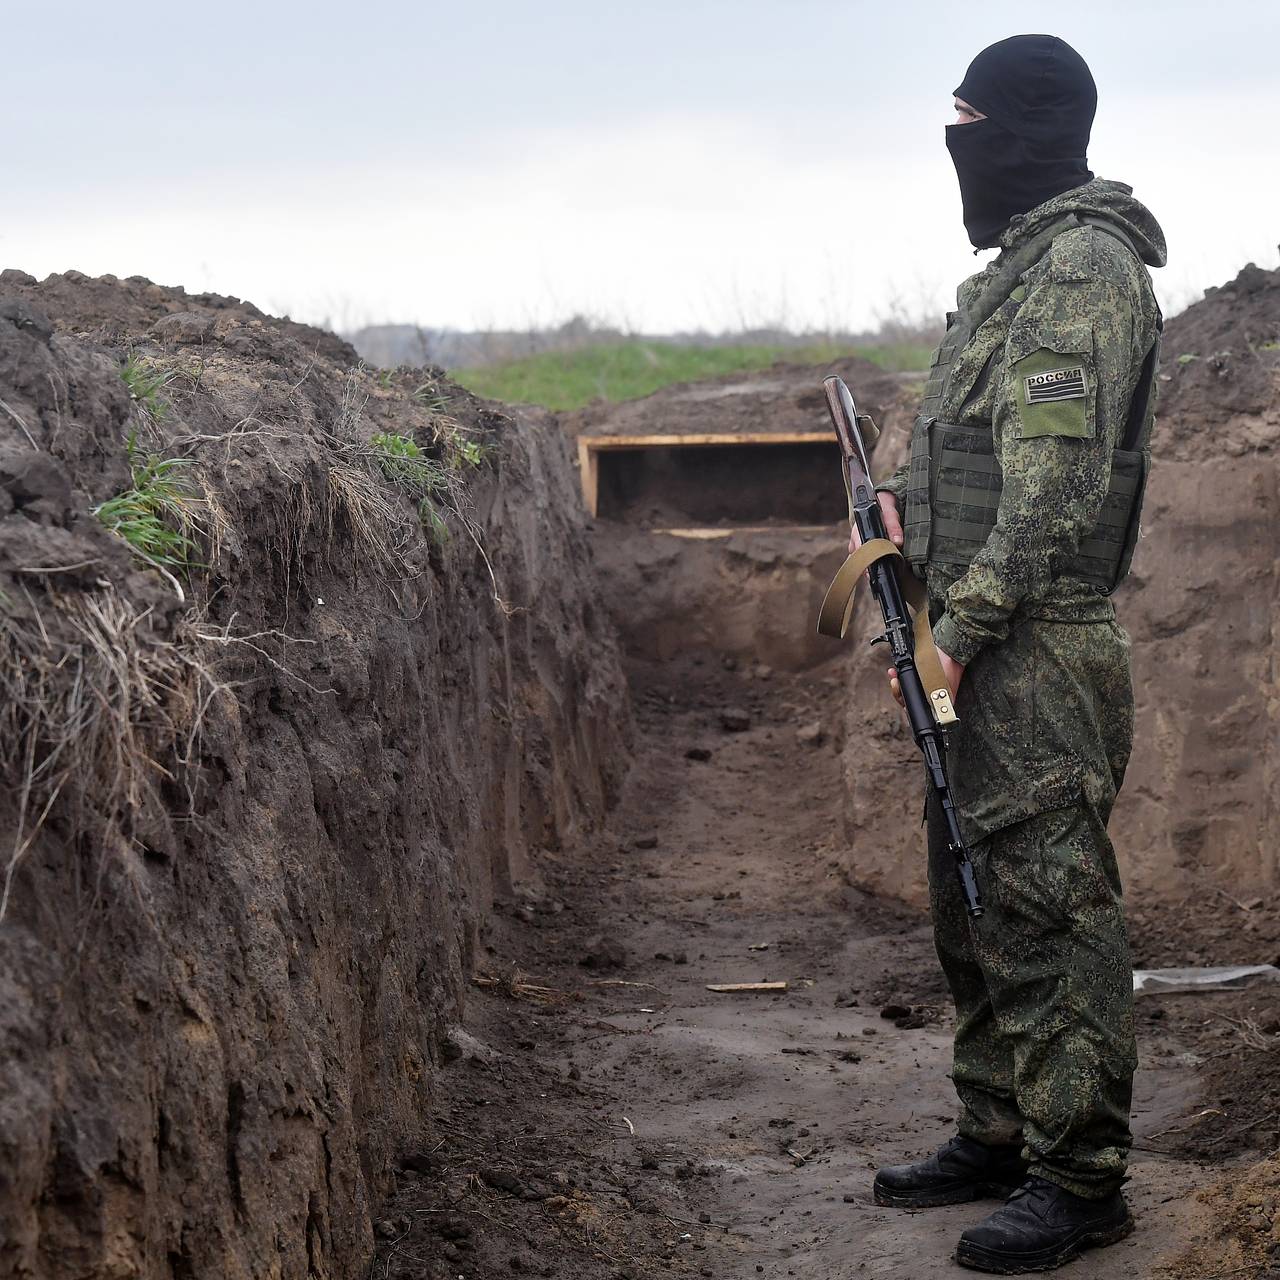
{"points": [[96, 710], [376, 523], [515, 985]]}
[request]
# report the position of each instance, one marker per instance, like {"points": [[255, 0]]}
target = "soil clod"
{"points": [[603, 952]]}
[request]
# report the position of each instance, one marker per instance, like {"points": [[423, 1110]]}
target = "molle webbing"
{"points": [[966, 483], [954, 481]]}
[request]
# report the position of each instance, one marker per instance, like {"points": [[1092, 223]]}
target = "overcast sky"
{"points": [[669, 164]]}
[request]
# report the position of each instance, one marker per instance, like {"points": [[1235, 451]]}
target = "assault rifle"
{"points": [[924, 686]]}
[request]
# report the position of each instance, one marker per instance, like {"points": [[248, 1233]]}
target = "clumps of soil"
{"points": [[498, 1187], [1208, 927], [1241, 1235], [115, 313], [1220, 361], [1235, 1033], [1235, 1040]]}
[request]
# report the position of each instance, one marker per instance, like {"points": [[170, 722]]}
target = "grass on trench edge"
{"points": [[422, 477], [154, 514], [567, 380], [146, 382]]}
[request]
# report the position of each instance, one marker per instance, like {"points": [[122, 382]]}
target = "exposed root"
{"points": [[225, 636], [214, 524], [1250, 1033], [22, 426], [515, 985], [507, 609], [98, 709], [376, 523], [92, 699]]}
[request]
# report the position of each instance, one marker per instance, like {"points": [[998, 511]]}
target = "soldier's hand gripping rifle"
{"points": [[924, 686]]}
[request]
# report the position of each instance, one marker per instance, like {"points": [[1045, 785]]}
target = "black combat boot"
{"points": [[962, 1170], [1040, 1227]]}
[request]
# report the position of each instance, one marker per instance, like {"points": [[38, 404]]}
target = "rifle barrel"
{"points": [[886, 588]]}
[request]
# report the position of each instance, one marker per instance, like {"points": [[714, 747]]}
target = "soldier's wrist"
{"points": [[957, 643]]}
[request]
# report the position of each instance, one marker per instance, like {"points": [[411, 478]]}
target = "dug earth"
{"points": [[375, 914], [301, 665]]}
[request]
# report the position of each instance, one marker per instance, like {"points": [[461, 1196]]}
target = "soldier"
{"points": [[1020, 505]]}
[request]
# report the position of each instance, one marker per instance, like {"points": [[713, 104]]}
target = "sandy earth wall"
{"points": [[230, 958], [1201, 802], [747, 587]]}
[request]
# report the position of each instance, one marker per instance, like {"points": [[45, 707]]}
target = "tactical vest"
{"points": [[954, 480]]}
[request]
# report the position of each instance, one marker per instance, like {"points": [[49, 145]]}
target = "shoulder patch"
{"points": [[1053, 395], [1054, 384]]}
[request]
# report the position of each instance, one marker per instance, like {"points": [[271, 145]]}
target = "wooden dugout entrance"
{"points": [[787, 477]]}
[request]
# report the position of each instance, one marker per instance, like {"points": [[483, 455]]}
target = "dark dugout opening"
{"points": [[792, 483]]}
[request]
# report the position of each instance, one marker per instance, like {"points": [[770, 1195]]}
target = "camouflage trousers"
{"points": [[1044, 1044]]}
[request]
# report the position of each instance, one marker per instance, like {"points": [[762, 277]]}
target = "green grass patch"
{"points": [[627, 370], [420, 476], [404, 463], [146, 384], [154, 514]]}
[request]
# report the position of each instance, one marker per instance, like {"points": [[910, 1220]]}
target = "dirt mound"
{"points": [[785, 397], [263, 774], [1241, 1233], [117, 312], [1221, 365]]}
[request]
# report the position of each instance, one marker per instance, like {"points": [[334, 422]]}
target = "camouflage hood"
{"points": [[1098, 199]]}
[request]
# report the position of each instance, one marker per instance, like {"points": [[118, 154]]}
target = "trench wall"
{"points": [[226, 985]]}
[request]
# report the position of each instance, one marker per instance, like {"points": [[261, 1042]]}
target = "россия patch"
{"points": [[1055, 384]]}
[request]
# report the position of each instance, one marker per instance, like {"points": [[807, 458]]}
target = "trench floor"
{"points": [[615, 1118]]}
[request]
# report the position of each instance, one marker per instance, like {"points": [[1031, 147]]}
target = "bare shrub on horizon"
{"points": [[392, 345]]}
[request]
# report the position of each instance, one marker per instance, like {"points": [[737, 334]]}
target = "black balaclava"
{"points": [[1039, 100]]}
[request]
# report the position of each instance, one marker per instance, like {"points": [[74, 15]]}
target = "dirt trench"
{"points": [[230, 1006], [614, 1118]]}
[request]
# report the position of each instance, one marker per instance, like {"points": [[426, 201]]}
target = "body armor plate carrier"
{"points": [[954, 480]]}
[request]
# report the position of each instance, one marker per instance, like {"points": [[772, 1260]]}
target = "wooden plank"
{"points": [[707, 533], [593, 443], [747, 986], [589, 448], [589, 466]]}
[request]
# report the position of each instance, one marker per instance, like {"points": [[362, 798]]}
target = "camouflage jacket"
{"points": [[1090, 300]]}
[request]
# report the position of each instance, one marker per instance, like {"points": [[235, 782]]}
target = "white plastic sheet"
{"points": [[1148, 981]]}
